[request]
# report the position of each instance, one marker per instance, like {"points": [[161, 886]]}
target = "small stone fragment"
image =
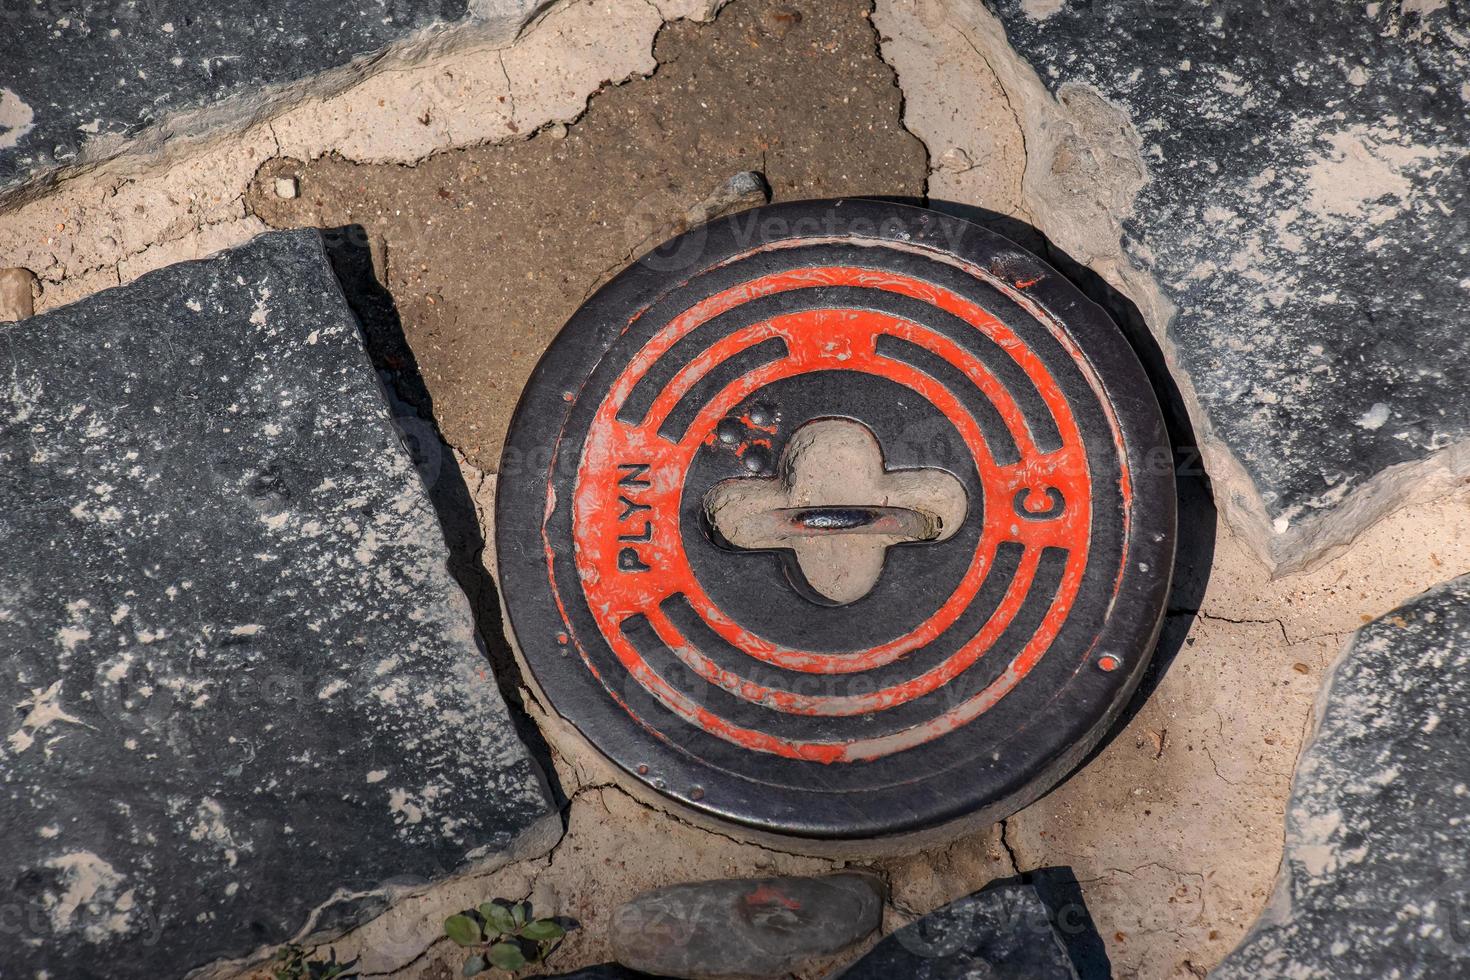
{"points": [[287, 188], [557, 131], [955, 160], [1000, 932], [745, 927], [1375, 881], [747, 189], [779, 21], [17, 294]]}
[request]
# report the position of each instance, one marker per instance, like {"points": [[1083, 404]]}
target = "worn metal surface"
{"points": [[980, 664]]}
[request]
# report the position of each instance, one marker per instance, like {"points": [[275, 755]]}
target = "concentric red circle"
{"points": [[627, 466], [704, 674]]}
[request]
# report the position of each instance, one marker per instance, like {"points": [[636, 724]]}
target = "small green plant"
{"points": [[290, 963], [503, 935]]}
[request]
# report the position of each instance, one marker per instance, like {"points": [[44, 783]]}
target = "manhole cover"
{"points": [[838, 520]]}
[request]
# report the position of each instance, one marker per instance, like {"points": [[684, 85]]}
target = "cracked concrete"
{"points": [[1174, 827], [977, 155], [110, 224], [548, 219]]}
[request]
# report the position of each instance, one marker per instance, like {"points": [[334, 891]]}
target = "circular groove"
{"points": [[968, 677]]}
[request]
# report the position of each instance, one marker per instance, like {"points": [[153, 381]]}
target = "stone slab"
{"points": [[242, 684], [745, 927], [1375, 881], [1003, 932], [1305, 210], [72, 75]]}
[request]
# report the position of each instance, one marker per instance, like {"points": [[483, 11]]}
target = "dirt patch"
{"points": [[487, 251]]}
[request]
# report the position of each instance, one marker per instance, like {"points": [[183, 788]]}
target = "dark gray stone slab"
{"points": [[739, 927], [1307, 209], [74, 73], [240, 681], [1376, 877], [1002, 933]]}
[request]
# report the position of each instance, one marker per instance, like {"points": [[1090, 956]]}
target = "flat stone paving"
{"points": [[746, 927], [1305, 209], [73, 73], [239, 673], [1002, 932], [1376, 878]]}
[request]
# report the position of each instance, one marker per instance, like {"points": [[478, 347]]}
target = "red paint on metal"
{"points": [[750, 423], [838, 339]]}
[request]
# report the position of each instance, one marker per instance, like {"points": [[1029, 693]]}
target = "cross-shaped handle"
{"points": [[837, 508]]}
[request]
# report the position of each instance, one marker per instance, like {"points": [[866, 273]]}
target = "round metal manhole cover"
{"points": [[838, 520]]}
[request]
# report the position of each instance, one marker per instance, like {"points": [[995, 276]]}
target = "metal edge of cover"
{"points": [[976, 666]]}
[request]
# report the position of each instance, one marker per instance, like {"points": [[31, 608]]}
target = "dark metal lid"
{"points": [[838, 520]]}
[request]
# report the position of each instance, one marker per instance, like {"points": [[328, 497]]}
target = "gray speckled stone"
{"points": [[71, 73], [1307, 209], [745, 927], [1002, 933], [239, 679], [1376, 878]]}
